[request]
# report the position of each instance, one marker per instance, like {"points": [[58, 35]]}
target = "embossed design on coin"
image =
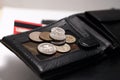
{"points": [[47, 48], [34, 36], [58, 30], [63, 48], [70, 38], [45, 36], [57, 36], [57, 33]]}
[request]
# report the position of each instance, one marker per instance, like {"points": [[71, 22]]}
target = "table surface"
{"points": [[11, 67]]}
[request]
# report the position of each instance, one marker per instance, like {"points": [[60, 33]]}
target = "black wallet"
{"points": [[96, 34]]}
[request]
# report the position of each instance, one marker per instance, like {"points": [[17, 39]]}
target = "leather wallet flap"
{"points": [[105, 15]]}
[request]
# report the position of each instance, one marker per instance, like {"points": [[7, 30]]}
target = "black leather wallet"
{"points": [[96, 38]]}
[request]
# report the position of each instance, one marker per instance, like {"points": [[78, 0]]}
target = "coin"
{"points": [[70, 38], [63, 48], [34, 36], [57, 33], [58, 43], [58, 30], [45, 36], [47, 48], [57, 36]]}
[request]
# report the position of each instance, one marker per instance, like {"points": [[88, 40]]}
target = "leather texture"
{"points": [[106, 15]]}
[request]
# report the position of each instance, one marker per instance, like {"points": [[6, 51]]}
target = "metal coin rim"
{"points": [[58, 43], [52, 30], [47, 53], [63, 46], [56, 37], [44, 36], [70, 40], [33, 38]]}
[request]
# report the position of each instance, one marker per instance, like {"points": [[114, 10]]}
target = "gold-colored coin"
{"points": [[45, 36], [34, 36], [64, 48], [70, 38]]}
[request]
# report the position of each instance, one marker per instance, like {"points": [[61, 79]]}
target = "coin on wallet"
{"points": [[58, 30], [63, 48], [58, 43], [34, 36], [46, 48], [57, 36], [45, 36], [70, 38]]}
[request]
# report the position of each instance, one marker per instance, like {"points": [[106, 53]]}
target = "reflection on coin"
{"points": [[47, 48], [63, 48], [58, 30], [45, 36], [34, 36], [57, 36], [58, 43], [70, 39]]}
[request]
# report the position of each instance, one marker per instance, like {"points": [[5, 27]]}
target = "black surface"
{"points": [[108, 21], [48, 21], [26, 25], [107, 69], [106, 15], [88, 42]]}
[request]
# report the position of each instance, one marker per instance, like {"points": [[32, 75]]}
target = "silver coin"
{"points": [[46, 48], [57, 36], [58, 30], [63, 48], [70, 39], [34, 36]]}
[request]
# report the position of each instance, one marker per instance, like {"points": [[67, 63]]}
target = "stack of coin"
{"points": [[58, 35], [53, 41]]}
